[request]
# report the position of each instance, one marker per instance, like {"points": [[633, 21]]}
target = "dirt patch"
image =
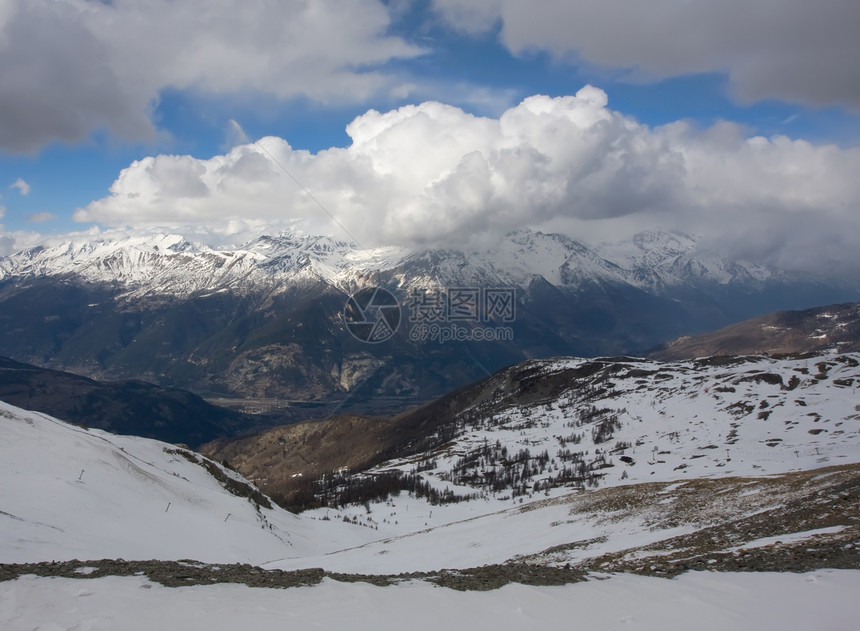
{"points": [[188, 573]]}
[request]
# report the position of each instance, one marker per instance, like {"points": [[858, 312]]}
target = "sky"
{"points": [[435, 123]]}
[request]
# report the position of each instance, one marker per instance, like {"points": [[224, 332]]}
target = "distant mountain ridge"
{"points": [[266, 320], [663, 259], [170, 264]]}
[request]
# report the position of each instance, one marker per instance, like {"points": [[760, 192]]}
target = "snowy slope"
{"points": [[557, 258], [514, 261], [618, 423], [704, 601], [628, 420], [710, 417], [69, 492], [725, 458]]}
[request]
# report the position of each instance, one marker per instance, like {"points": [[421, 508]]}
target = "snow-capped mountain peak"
{"points": [[170, 264], [555, 257], [657, 259]]}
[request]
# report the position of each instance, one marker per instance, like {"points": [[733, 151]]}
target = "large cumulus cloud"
{"points": [[71, 67], [792, 50], [434, 175]]}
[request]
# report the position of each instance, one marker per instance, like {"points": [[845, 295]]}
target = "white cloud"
{"points": [[472, 17], [7, 241], [41, 217], [793, 50], [432, 174], [22, 186], [73, 66], [14, 241]]}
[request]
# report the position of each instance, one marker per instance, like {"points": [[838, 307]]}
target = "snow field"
{"points": [[823, 600]]}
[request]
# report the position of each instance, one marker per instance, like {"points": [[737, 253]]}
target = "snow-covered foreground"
{"points": [[823, 600], [624, 523], [69, 492]]}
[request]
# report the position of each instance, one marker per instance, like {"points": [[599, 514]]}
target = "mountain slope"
{"points": [[793, 522], [547, 426], [71, 493], [606, 421], [745, 463], [284, 459], [127, 407], [785, 332]]}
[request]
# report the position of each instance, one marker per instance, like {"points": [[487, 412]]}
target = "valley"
{"points": [[328, 464], [265, 320]]}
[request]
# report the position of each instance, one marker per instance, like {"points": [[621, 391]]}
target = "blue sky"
{"points": [[94, 87]]}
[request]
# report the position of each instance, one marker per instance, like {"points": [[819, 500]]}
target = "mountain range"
{"points": [[262, 326]]}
